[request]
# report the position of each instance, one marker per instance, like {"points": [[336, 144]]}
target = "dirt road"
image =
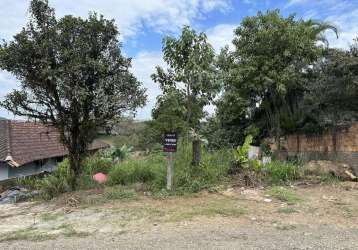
{"points": [[324, 217]]}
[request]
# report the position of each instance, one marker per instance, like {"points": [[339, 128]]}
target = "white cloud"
{"points": [[144, 64], [295, 2], [347, 24], [131, 16], [221, 35]]}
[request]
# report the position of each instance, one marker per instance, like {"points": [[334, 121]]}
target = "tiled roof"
{"points": [[24, 142]]}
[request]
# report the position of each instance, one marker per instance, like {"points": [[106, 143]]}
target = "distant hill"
{"points": [[2, 118]]}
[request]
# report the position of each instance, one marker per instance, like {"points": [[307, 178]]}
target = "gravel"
{"points": [[210, 236]]}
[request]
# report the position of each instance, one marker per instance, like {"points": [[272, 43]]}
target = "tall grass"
{"points": [[213, 167], [57, 182], [278, 172], [151, 170]]}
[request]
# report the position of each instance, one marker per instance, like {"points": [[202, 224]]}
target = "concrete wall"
{"points": [[4, 171], [343, 147]]}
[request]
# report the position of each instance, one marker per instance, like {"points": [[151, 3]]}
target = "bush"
{"points": [[28, 182], [279, 172], [149, 170], [212, 168], [57, 182], [89, 167], [94, 164]]}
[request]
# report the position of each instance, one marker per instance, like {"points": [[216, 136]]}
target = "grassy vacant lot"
{"points": [[116, 212]]}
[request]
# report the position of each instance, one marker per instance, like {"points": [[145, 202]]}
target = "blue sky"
{"points": [[143, 24]]}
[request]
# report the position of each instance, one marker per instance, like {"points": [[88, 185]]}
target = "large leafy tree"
{"points": [[265, 73], [72, 73], [191, 76], [331, 100]]}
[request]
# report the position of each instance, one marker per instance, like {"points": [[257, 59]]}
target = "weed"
{"points": [[29, 233], [50, 216], [222, 211], [119, 193], [284, 194], [57, 182], [287, 210], [68, 230], [279, 173]]}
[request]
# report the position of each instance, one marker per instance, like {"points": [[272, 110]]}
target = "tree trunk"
{"points": [[75, 160], [196, 152], [334, 139]]}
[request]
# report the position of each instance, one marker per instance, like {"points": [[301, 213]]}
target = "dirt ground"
{"points": [[319, 217]]}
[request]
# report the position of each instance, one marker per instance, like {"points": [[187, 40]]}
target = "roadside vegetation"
{"points": [[278, 77], [146, 174]]}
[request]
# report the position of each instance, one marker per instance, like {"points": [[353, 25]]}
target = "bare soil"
{"points": [[324, 217]]}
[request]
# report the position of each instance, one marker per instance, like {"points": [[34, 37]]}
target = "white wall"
{"points": [[4, 171], [32, 169]]}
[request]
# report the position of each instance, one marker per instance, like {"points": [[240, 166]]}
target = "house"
{"points": [[29, 148]]}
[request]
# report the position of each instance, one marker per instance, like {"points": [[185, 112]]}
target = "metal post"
{"points": [[170, 170]]}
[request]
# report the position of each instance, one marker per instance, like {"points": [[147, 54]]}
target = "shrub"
{"points": [[28, 182], [279, 172], [116, 153], [240, 153], [94, 164], [212, 168], [89, 167], [57, 182], [149, 170]]}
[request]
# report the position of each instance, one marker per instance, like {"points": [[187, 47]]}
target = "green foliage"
{"points": [[331, 99], [265, 148], [95, 164], [240, 153], [212, 168], [265, 75], [57, 182], [28, 182], [284, 194], [116, 153], [119, 193], [190, 60], [278, 172], [89, 167], [72, 73], [149, 170]]}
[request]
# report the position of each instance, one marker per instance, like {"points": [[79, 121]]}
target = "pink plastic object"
{"points": [[100, 178]]}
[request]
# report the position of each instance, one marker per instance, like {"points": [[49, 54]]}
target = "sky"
{"points": [[143, 24]]}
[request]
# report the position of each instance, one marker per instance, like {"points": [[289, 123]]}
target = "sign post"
{"points": [[170, 146]]}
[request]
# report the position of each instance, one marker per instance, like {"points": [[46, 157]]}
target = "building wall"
{"points": [[33, 168], [322, 146], [4, 171]]}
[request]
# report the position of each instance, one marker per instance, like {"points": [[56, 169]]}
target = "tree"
{"points": [[169, 112], [331, 100], [72, 75], [268, 65], [191, 76]]}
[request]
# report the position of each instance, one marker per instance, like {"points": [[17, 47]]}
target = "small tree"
{"points": [[72, 76], [191, 74]]}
